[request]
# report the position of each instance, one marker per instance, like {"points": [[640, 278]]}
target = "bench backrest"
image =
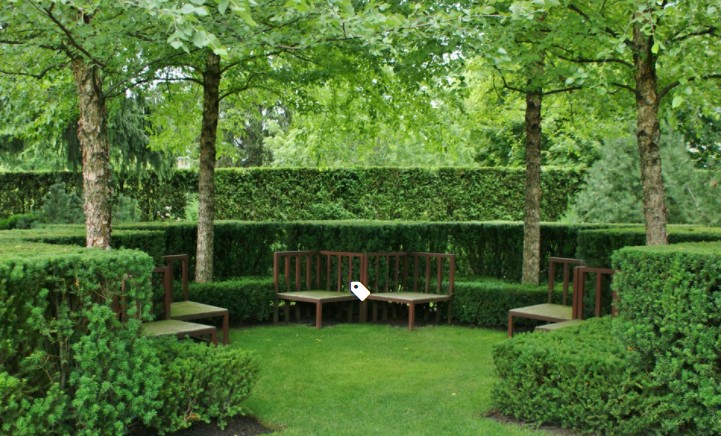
{"points": [[380, 272], [317, 270], [411, 272]]}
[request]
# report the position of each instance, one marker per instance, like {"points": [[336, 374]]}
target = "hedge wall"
{"points": [[670, 317], [596, 246], [655, 369], [458, 194], [492, 249]]}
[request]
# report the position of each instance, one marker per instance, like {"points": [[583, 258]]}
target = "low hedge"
{"points": [[670, 315], [493, 249], [248, 300], [578, 378], [485, 302]]}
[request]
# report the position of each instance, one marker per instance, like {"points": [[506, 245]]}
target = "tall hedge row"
{"points": [[458, 194], [492, 249], [596, 246]]}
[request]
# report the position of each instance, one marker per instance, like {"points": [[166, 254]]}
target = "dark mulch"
{"points": [[240, 425], [558, 431]]}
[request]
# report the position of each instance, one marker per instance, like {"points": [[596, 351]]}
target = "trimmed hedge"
{"points": [[248, 299], [284, 194], [493, 249], [578, 378], [202, 383], [485, 302], [66, 362], [670, 316], [596, 246]]}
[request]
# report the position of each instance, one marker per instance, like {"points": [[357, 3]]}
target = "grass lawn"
{"points": [[374, 379]]}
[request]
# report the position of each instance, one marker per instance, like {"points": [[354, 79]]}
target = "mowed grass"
{"points": [[370, 379]]}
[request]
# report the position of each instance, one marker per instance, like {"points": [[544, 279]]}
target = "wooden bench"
{"points": [[186, 310], [316, 277], [321, 277], [411, 278], [550, 312], [163, 326]]}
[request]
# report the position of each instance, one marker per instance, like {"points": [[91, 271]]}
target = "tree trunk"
{"points": [[532, 211], [206, 176], [93, 137], [648, 134]]}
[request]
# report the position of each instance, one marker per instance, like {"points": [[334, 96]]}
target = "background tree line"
{"points": [[133, 85]]}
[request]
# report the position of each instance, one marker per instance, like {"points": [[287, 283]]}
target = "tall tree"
{"points": [[516, 42], [261, 47], [91, 40], [644, 47]]}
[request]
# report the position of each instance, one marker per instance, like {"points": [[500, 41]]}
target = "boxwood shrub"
{"points": [[485, 302], [67, 363], [201, 383], [578, 378]]}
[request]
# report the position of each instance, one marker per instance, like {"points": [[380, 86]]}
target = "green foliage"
{"points": [[19, 221], [117, 375], [486, 302], [482, 248], [459, 194], [249, 299], [596, 246], [202, 383], [24, 415], [612, 188], [125, 209], [578, 378], [54, 302], [61, 207], [670, 315]]}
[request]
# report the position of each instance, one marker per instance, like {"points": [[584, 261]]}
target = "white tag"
{"points": [[359, 290]]}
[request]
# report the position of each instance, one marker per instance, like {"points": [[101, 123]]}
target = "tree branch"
{"points": [[666, 89], [68, 34], [585, 16], [713, 31]]}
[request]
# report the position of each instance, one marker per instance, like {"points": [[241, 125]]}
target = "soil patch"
{"points": [[550, 429], [237, 426]]}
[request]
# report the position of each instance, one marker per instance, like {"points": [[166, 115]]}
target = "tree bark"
{"points": [[532, 210], [206, 176], [93, 137], [648, 134]]}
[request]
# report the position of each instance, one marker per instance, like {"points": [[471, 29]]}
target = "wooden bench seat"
{"points": [[186, 310], [411, 278], [317, 277]]}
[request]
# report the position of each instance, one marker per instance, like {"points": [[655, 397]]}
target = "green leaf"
{"points": [[223, 6], [677, 101]]}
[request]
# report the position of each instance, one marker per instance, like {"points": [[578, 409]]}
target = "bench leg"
{"points": [[213, 338], [450, 313], [363, 311], [226, 329], [275, 311], [318, 314], [510, 325], [411, 315], [286, 310]]}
